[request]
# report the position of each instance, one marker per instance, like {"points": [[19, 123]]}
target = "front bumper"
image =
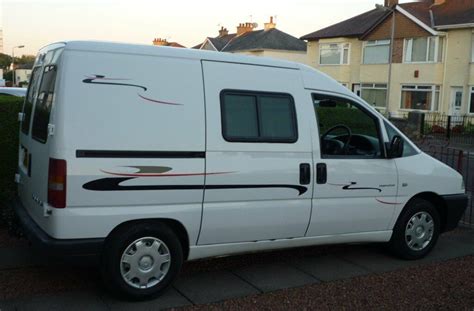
{"points": [[62, 247], [455, 206]]}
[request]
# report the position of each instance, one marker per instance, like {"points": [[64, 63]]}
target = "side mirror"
{"points": [[395, 149]]}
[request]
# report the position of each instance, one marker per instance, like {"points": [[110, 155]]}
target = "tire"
{"points": [[134, 260], [411, 234]]}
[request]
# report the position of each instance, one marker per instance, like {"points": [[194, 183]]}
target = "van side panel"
{"points": [[261, 196], [132, 131]]}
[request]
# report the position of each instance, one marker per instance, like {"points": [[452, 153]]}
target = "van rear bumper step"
{"points": [[64, 247]]}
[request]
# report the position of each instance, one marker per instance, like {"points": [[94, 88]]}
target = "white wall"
{"points": [[22, 75]]}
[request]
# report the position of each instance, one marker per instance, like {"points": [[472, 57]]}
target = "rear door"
{"points": [[258, 154], [35, 139]]}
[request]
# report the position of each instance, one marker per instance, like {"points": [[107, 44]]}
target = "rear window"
{"points": [[28, 107], [44, 103]]}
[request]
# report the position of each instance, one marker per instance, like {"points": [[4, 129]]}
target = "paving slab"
{"points": [[207, 287], [170, 299], [269, 277], [71, 301], [329, 268], [462, 235], [448, 248], [375, 260]]}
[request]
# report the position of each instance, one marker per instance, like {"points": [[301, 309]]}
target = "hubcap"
{"points": [[419, 231], [145, 262]]}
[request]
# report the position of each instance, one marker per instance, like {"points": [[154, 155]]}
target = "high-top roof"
{"points": [[150, 50]]}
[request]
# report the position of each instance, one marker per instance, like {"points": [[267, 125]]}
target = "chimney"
{"points": [[244, 28], [438, 2], [160, 42], [270, 25], [223, 32], [390, 3]]}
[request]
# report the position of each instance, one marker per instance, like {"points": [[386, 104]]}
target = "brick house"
{"points": [[268, 42], [403, 57], [164, 42]]}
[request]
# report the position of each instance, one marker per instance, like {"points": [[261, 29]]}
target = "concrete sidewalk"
{"points": [[242, 280]]}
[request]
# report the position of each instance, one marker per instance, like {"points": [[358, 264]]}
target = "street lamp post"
{"points": [[13, 62]]}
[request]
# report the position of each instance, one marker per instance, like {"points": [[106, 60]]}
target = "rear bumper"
{"points": [[455, 206], [40, 239]]}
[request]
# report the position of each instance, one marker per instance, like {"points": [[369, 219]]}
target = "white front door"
{"points": [[258, 155], [456, 100], [356, 186], [356, 89]]}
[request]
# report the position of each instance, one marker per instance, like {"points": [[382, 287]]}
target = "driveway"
{"points": [[29, 283]]}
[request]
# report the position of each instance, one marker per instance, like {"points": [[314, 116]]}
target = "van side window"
{"points": [[258, 117], [43, 104], [346, 129], [30, 95]]}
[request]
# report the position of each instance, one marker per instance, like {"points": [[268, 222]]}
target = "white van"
{"points": [[148, 156]]}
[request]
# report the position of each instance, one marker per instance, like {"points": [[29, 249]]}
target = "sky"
{"points": [[35, 23]]}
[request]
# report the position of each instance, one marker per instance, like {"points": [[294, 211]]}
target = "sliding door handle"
{"points": [[305, 173], [321, 173]]}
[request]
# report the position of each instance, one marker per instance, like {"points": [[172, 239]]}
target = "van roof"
{"points": [[140, 49]]}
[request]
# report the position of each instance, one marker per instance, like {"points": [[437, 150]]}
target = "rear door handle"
{"points": [[305, 173], [321, 173]]}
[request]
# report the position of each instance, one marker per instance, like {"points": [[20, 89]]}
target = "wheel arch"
{"points": [[173, 224], [438, 203]]}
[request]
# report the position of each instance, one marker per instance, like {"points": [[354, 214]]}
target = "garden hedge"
{"points": [[9, 126]]}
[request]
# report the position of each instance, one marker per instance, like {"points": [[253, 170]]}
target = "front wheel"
{"points": [[416, 231], [141, 260]]}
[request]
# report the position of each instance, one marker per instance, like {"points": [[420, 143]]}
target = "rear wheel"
{"points": [[416, 231], [141, 260]]}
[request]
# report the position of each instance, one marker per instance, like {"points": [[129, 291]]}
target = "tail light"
{"points": [[57, 183]]}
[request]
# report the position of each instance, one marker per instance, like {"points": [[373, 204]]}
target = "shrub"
{"points": [[9, 128], [355, 119]]}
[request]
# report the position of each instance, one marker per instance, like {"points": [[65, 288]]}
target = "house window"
{"points": [[420, 97], [472, 48], [471, 100], [377, 52], [374, 94], [334, 54], [423, 50]]}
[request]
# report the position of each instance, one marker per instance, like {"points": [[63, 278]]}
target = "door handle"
{"points": [[321, 173], [305, 173]]}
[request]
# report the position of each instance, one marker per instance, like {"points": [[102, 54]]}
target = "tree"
{"points": [[8, 76], [27, 60], [5, 61]]}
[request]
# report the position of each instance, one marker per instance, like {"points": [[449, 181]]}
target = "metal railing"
{"points": [[455, 129], [460, 160]]}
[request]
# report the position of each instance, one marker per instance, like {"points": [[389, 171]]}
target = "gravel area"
{"points": [[447, 285]]}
